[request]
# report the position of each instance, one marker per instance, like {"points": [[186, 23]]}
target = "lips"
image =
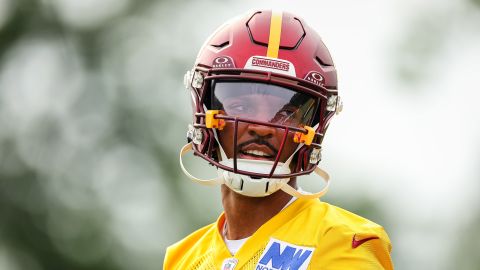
{"points": [[257, 151]]}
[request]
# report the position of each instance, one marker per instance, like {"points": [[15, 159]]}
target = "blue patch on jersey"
{"points": [[279, 255]]}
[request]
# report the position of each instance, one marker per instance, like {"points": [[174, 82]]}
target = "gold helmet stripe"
{"points": [[275, 33]]}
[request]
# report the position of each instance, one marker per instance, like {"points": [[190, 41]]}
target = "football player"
{"points": [[264, 89]]}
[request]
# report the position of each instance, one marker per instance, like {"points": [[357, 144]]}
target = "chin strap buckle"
{"points": [[193, 78], [306, 139], [212, 122], [194, 135], [335, 104], [316, 155]]}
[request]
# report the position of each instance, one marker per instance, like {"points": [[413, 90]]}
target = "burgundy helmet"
{"points": [[268, 48]]}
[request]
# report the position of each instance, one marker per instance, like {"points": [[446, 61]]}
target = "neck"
{"points": [[244, 215]]}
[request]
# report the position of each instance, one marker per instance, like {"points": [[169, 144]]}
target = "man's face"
{"points": [[265, 103]]}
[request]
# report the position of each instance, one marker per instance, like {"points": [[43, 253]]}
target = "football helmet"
{"points": [[265, 69]]}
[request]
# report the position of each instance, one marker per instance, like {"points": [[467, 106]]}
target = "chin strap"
{"points": [[305, 195], [208, 182], [286, 188]]}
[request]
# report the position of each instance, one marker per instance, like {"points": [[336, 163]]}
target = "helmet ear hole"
{"points": [[215, 153], [299, 160], [304, 157], [207, 95], [295, 165]]}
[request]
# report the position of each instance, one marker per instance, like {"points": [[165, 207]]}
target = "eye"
{"points": [[286, 112], [238, 108]]}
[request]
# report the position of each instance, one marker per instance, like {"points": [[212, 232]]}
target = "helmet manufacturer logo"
{"points": [[223, 62], [315, 77]]}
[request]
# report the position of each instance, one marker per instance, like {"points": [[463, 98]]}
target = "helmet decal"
{"points": [[315, 77], [223, 62], [270, 65], [275, 34]]}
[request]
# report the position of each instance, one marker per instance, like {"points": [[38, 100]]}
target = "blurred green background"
{"points": [[93, 113]]}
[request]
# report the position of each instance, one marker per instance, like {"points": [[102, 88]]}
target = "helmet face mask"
{"points": [[256, 113], [265, 103]]}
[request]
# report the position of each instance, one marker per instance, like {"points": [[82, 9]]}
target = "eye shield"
{"points": [[263, 102]]}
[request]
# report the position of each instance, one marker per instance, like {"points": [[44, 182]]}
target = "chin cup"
{"points": [[255, 187], [251, 186]]}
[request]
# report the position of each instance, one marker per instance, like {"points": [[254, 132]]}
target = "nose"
{"points": [[262, 131]]}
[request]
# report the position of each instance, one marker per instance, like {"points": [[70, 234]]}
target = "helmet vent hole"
{"points": [[321, 63], [221, 45]]}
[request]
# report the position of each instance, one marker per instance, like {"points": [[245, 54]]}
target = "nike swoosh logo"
{"points": [[356, 243]]}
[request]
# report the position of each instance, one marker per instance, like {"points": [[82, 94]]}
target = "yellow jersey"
{"points": [[307, 234]]}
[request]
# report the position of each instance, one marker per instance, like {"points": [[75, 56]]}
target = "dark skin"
{"points": [[244, 215]]}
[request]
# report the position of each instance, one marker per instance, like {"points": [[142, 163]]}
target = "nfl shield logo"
{"points": [[229, 264]]}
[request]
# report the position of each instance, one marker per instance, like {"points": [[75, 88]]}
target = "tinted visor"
{"points": [[263, 102]]}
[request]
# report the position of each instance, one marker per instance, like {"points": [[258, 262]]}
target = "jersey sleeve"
{"points": [[186, 249], [176, 252], [168, 260], [345, 249]]}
